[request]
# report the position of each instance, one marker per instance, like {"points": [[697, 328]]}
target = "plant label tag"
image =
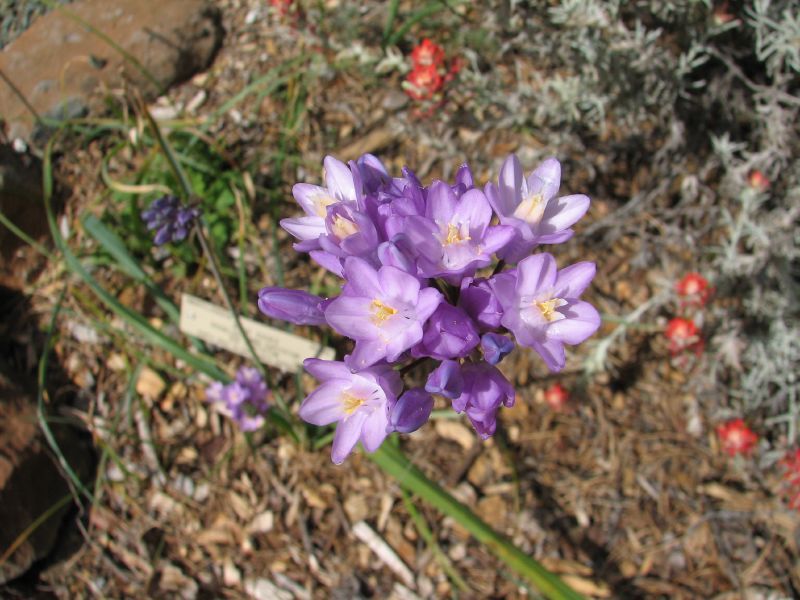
{"points": [[215, 325]]}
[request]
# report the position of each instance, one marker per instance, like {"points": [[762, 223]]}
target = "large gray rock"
{"points": [[58, 64]]}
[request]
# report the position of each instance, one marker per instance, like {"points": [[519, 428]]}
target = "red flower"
{"points": [[736, 437], [683, 335], [423, 82], [695, 288], [758, 181], [426, 54], [556, 397]]}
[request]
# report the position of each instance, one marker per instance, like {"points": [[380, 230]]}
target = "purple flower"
{"points": [[359, 402], [244, 400], [315, 200], [449, 333], [495, 347], [531, 207], [382, 310], [464, 180], [541, 306], [454, 237], [411, 411], [485, 390], [171, 219], [446, 380], [478, 299], [295, 306], [350, 232], [373, 174]]}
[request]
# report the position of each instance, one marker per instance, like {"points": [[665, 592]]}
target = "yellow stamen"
{"points": [[531, 209], [343, 228], [548, 308], [350, 403], [381, 312], [321, 204], [454, 235]]}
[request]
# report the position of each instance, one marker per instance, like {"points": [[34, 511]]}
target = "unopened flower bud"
{"points": [[411, 411], [295, 306]]}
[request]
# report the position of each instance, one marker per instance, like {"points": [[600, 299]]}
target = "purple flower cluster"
{"points": [[421, 282], [244, 400], [170, 218]]}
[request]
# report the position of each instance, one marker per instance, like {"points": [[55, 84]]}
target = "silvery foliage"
{"points": [[694, 97]]}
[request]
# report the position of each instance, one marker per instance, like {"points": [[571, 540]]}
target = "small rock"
{"points": [[458, 551], [492, 510], [356, 508], [262, 523], [150, 385]]}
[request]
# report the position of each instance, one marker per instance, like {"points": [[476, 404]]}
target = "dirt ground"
{"points": [[626, 494]]}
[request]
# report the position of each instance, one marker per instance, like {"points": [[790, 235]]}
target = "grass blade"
{"points": [[41, 392], [423, 13], [112, 244]]}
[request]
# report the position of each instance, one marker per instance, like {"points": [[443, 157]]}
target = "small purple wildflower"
{"points": [[382, 310], [358, 402], [454, 237], [245, 400], [541, 306], [485, 390], [170, 218], [530, 206], [316, 200]]}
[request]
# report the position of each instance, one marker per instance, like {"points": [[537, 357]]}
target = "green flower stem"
{"points": [[393, 461], [212, 262]]}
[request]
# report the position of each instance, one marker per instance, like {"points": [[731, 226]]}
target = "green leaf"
{"points": [[392, 460], [112, 244]]}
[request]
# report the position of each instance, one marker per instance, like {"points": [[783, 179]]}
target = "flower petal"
{"points": [[552, 352], [545, 179], [373, 432], [366, 353], [346, 436], [339, 179], [325, 370], [398, 285], [305, 228], [362, 279], [509, 183], [536, 273], [581, 320], [442, 203], [323, 406], [350, 316], [562, 213], [574, 279], [473, 208]]}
